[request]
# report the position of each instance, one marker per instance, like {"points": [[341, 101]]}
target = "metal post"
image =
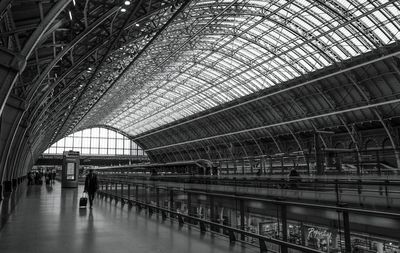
{"points": [[189, 205], [346, 224], [318, 154], [116, 189], [122, 189], [212, 213], [129, 191], [378, 163], [337, 191], [171, 201], [242, 227], [158, 196], [270, 165], [284, 228], [137, 193], [145, 194], [358, 163]]}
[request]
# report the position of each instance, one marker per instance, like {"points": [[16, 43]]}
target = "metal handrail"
{"points": [[256, 236]]}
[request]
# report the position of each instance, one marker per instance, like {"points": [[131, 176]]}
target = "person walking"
{"points": [[91, 186]]}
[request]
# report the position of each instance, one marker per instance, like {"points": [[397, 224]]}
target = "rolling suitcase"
{"points": [[83, 201]]}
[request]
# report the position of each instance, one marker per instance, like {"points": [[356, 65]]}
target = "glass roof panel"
{"points": [[217, 51]]}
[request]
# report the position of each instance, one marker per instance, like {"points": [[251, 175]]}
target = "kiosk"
{"points": [[70, 169]]}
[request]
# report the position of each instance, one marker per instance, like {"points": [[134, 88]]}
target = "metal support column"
{"points": [[158, 196], [270, 165], [145, 194], [171, 201], [189, 205], [284, 228], [346, 227], [137, 193], [242, 225], [319, 163]]}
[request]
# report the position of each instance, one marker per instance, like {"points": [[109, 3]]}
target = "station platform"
{"points": [[47, 219]]}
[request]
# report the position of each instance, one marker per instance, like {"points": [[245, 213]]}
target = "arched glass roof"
{"points": [[218, 51]]}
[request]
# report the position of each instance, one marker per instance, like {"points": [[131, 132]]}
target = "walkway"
{"points": [[47, 219]]}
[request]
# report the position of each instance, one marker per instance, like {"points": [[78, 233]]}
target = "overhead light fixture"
{"points": [[70, 15], [127, 3], [137, 24], [74, 2], [123, 10]]}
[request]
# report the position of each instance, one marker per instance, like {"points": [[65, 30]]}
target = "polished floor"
{"points": [[47, 219]]}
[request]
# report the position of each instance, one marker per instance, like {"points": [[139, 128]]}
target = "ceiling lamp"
{"points": [[123, 10], [127, 2]]}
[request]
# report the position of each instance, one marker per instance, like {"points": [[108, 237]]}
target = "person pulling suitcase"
{"points": [[91, 186]]}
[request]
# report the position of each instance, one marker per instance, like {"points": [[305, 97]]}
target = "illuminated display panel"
{"points": [[71, 171]]}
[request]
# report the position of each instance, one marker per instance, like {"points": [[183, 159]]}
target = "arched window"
{"points": [[96, 141]]}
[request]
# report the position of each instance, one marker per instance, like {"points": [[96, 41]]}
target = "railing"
{"points": [[364, 192], [203, 224], [149, 195]]}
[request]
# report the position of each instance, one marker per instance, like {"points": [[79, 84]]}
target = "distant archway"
{"points": [[97, 141]]}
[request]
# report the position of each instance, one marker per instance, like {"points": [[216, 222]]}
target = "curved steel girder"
{"points": [[220, 50], [190, 130], [143, 118], [320, 50], [345, 19], [377, 113], [306, 113], [225, 124], [88, 54], [332, 113], [181, 8], [189, 88], [103, 59], [192, 146], [254, 118], [33, 114], [172, 136], [66, 49], [341, 118], [205, 148], [4, 6], [260, 123], [280, 90], [8, 143], [30, 45], [67, 87], [280, 117]]}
